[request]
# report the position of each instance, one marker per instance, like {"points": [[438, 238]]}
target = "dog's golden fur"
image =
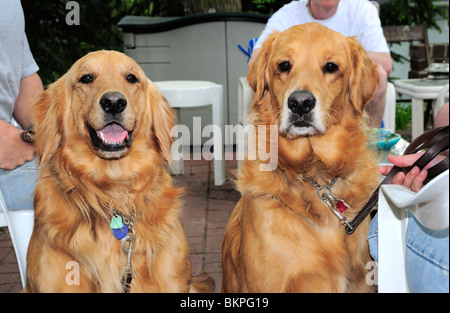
{"points": [[81, 184], [295, 243]]}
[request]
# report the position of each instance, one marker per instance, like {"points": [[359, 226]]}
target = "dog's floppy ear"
{"points": [[364, 76], [258, 75], [163, 118], [49, 114]]}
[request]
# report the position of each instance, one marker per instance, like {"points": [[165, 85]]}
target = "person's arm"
{"points": [[13, 151], [383, 59], [29, 91]]}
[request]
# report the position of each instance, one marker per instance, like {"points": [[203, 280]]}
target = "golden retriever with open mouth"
{"points": [[106, 210], [283, 235]]}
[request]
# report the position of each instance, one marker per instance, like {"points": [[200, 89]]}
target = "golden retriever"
{"points": [[103, 142], [313, 83]]}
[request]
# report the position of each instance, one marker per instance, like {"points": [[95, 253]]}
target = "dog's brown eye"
{"points": [[86, 79], [284, 66], [330, 68], [132, 79]]}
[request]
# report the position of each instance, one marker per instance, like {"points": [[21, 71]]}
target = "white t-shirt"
{"points": [[353, 18], [16, 60]]}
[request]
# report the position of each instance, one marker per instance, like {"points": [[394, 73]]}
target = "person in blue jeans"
{"points": [[427, 250], [20, 86]]}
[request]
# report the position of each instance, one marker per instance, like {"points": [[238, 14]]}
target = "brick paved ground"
{"points": [[206, 213], [9, 272]]}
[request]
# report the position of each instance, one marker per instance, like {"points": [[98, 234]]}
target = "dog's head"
{"points": [[101, 108], [313, 77]]}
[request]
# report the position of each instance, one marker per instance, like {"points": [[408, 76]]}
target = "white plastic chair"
{"points": [[440, 100], [20, 226], [245, 97], [188, 94], [389, 110], [430, 206]]}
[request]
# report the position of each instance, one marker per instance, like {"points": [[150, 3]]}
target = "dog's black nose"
{"points": [[301, 102], [113, 102]]}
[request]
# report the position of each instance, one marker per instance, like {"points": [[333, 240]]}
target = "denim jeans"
{"points": [[18, 186], [427, 255]]}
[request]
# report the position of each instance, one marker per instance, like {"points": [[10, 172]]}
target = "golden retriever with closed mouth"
{"points": [[106, 210], [313, 83]]}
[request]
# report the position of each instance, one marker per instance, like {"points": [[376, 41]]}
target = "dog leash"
{"points": [[28, 135], [436, 141]]}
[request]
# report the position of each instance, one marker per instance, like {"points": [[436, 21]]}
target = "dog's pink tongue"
{"points": [[113, 133]]}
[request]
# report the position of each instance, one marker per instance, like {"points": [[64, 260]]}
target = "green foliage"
{"points": [[263, 6], [412, 12], [403, 115], [56, 45], [193, 7]]}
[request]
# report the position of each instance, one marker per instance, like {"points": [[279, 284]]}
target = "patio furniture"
{"points": [[20, 226], [396, 242], [409, 33], [189, 94], [389, 110], [441, 99], [419, 89], [393, 204]]}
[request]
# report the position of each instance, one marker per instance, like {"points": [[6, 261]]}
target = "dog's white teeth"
{"points": [[107, 142], [103, 139]]}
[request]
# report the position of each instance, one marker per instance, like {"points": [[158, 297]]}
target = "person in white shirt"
{"points": [[349, 17]]}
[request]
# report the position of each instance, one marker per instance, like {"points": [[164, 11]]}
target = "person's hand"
{"points": [[13, 151], [413, 179]]}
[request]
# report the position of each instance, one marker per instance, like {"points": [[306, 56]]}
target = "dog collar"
{"points": [[124, 231], [120, 229], [324, 192], [337, 206]]}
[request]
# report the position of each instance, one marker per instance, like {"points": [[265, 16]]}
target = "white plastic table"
{"points": [[419, 89], [192, 93]]}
